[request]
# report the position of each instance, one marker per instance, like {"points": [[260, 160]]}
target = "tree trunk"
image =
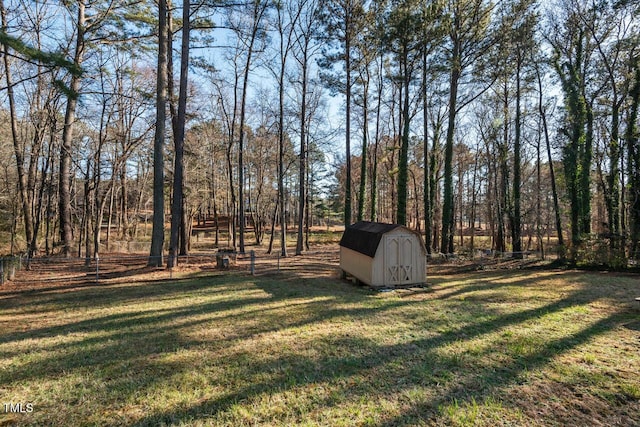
{"points": [[40, 205], [516, 228], [281, 166], [276, 208], [302, 171], [633, 163], [66, 231], [157, 234], [585, 172], [433, 182], [539, 197], [474, 193], [365, 146], [124, 202], [404, 147], [425, 160], [22, 178], [231, 205], [308, 217], [545, 127], [177, 210], [185, 230], [86, 214], [347, 184], [446, 245], [612, 196], [374, 167]]}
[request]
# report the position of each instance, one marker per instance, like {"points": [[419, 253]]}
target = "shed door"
{"points": [[398, 262]]}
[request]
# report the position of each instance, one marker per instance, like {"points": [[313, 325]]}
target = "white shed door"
{"points": [[398, 260]]}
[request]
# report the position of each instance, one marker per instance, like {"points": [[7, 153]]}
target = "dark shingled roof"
{"points": [[365, 236]]}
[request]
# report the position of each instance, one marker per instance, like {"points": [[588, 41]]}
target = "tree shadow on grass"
{"points": [[493, 285], [489, 381], [88, 294], [398, 367], [405, 359], [140, 338], [118, 338], [494, 281]]}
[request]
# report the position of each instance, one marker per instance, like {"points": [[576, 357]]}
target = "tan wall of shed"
{"points": [[356, 264], [377, 267]]}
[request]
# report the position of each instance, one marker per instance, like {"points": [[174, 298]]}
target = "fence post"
{"points": [[1, 271], [11, 272], [253, 262], [97, 268]]}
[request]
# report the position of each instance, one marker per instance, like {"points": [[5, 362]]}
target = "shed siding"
{"points": [[356, 264], [377, 268]]}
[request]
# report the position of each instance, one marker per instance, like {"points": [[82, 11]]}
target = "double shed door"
{"points": [[401, 252]]}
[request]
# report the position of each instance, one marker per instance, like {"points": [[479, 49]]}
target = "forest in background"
{"points": [[512, 121]]}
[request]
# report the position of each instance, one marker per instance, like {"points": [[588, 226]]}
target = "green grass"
{"points": [[482, 348]]}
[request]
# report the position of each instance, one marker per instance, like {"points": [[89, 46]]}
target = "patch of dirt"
{"points": [[320, 261], [568, 405], [44, 274], [459, 266]]}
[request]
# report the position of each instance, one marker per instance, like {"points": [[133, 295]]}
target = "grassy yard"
{"points": [[503, 347]]}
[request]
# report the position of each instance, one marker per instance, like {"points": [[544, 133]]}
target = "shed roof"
{"points": [[365, 236]]}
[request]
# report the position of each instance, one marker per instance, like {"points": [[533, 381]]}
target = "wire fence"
{"points": [[97, 267], [114, 265], [484, 254], [8, 267], [118, 264]]}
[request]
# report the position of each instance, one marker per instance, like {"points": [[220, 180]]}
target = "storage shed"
{"points": [[381, 255]]}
